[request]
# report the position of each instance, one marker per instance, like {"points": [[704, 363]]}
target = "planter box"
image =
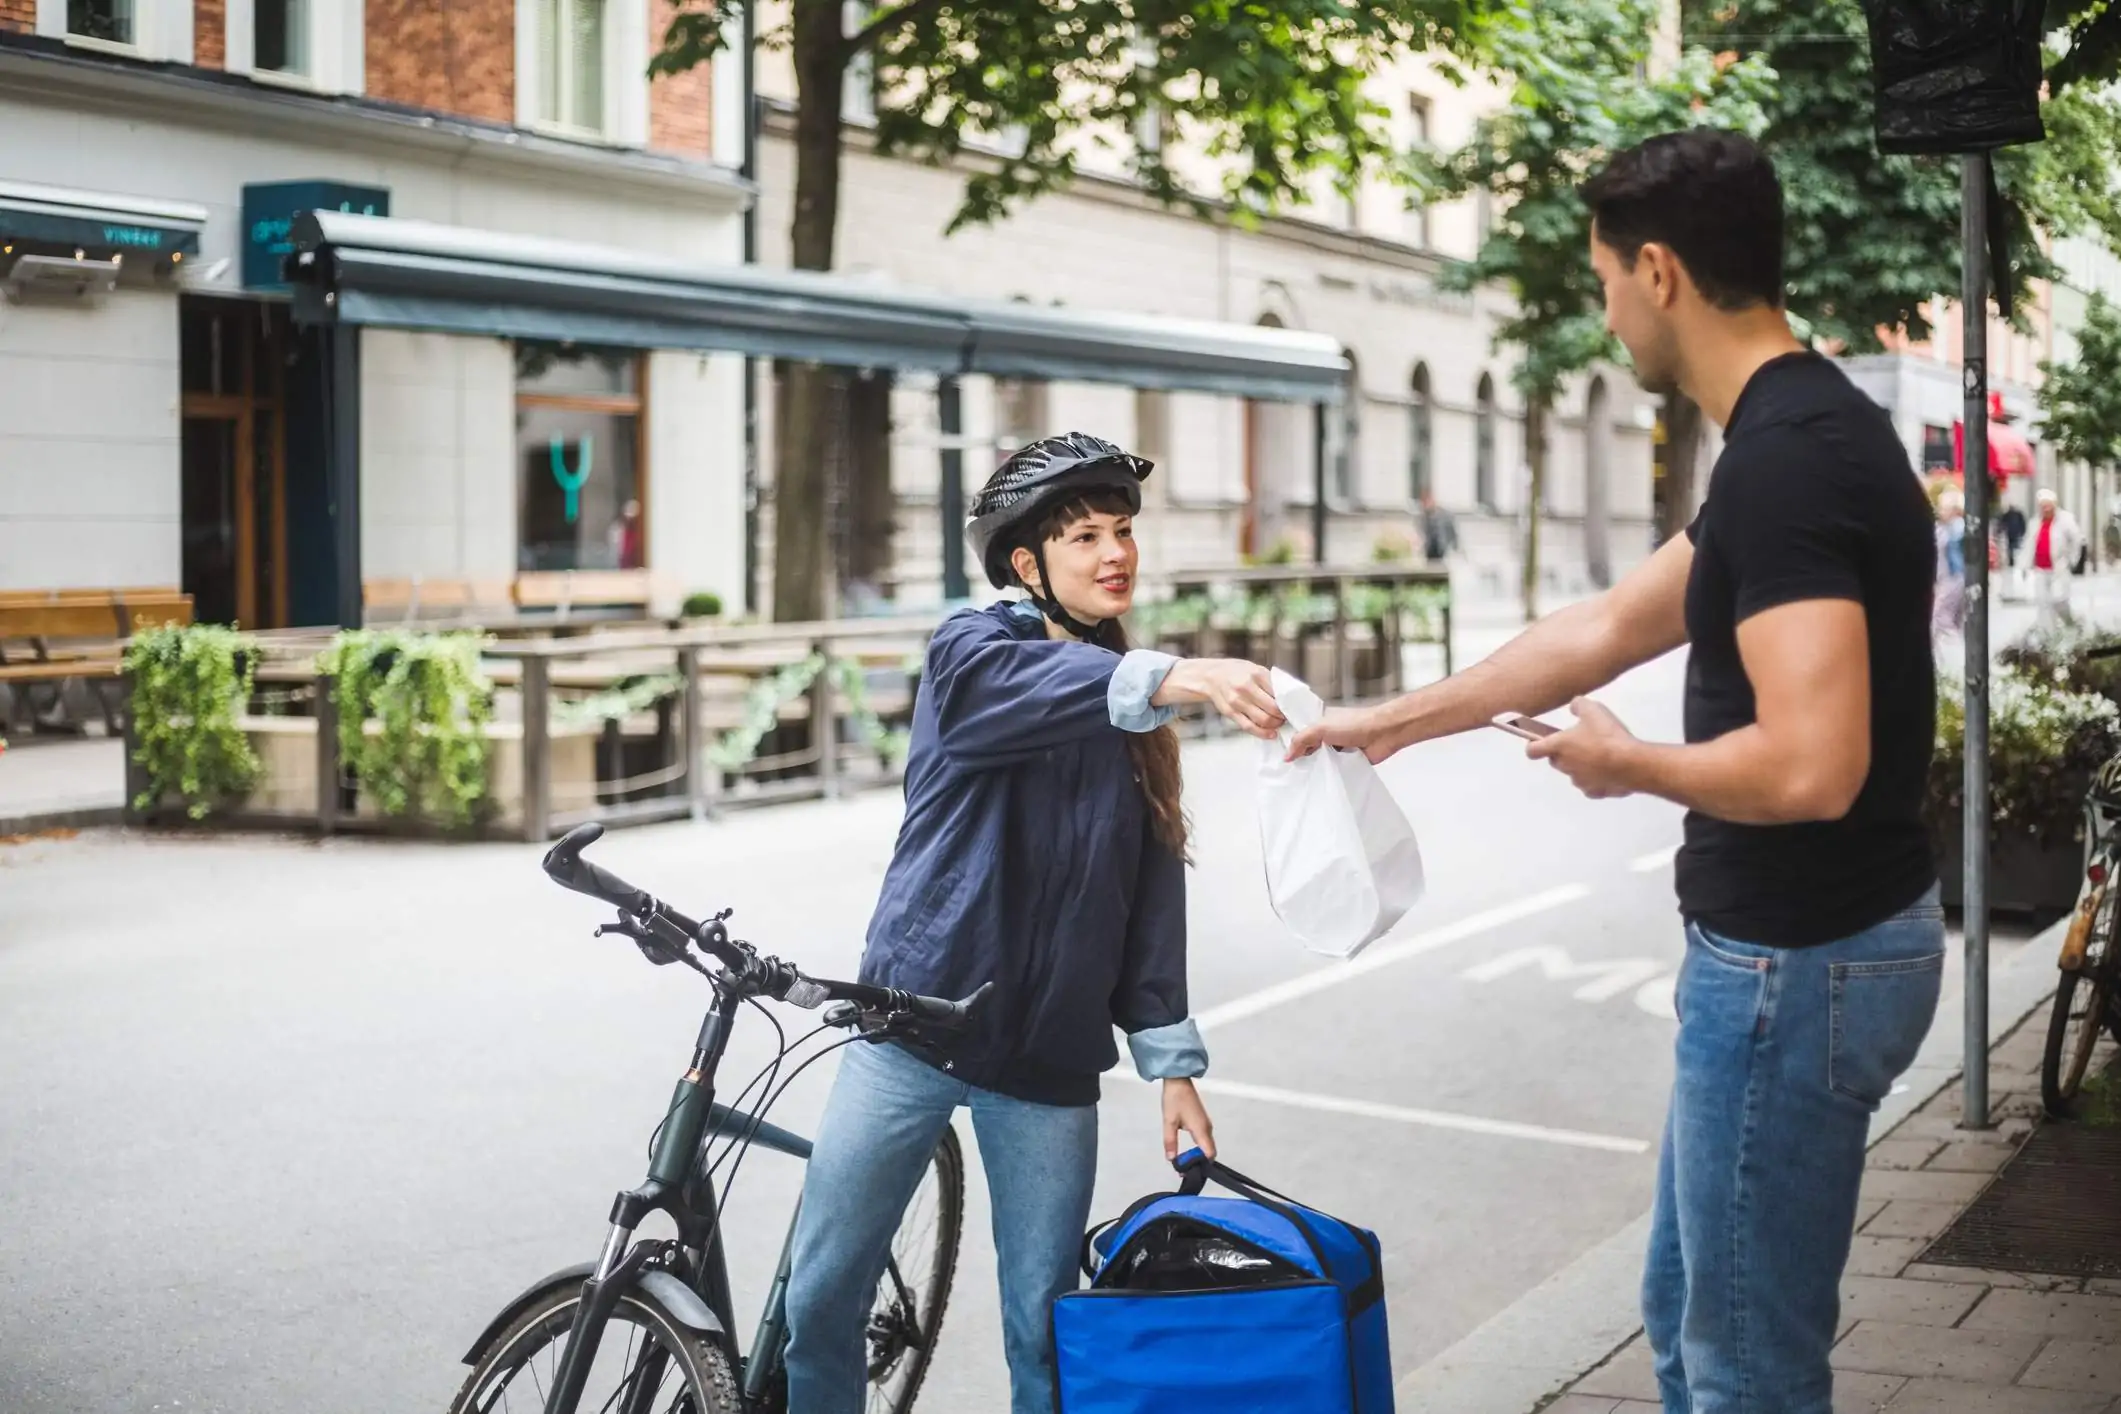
{"points": [[287, 777], [2022, 877]]}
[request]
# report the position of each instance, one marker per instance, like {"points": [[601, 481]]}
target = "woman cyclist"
{"points": [[1043, 851]]}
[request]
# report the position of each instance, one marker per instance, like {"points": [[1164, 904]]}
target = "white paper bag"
{"points": [[1342, 862]]}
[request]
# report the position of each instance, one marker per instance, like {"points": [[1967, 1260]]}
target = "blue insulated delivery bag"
{"points": [[1200, 1305]]}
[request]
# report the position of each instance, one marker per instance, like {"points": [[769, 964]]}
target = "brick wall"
{"points": [[680, 109], [18, 14], [210, 34], [451, 56]]}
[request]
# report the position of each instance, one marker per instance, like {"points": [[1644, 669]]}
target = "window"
{"points": [[578, 458], [280, 37], [1417, 140], [1421, 436], [1937, 448], [1484, 444], [571, 64], [111, 21], [858, 85], [1347, 463]]}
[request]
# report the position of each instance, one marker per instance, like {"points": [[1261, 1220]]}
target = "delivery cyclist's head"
{"points": [[1057, 520], [1089, 556]]}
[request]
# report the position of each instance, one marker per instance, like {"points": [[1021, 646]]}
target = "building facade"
{"points": [[161, 414], [1432, 408]]}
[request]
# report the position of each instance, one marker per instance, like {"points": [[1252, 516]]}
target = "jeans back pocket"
{"points": [[1881, 1012]]}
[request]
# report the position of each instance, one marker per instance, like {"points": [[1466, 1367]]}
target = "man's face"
{"points": [[1637, 311], [2047, 510]]}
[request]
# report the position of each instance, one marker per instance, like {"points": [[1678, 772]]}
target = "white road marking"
{"points": [[1651, 863], [1383, 955], [1606, 980], [1430, 1119]]}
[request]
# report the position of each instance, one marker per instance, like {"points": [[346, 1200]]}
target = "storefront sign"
{"points": [[269, 211]]}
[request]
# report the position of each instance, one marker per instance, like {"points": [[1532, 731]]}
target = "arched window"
{"points": [[1421, 437], [1484, 443]]}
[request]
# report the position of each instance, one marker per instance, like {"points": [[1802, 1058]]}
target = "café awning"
{"points": [[100, 223], [391, 272]]}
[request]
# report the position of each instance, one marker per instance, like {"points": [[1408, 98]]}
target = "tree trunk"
{"points": [[1535, 449], [805, 452], [1682, 452]]}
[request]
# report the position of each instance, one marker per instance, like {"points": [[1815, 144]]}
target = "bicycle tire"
{"points": [[704, 1368], [949, 1166], [2073, 1034]]}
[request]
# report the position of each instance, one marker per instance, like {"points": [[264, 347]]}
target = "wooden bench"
{"points": [[564, 591], [424, 598], [51, 637]]}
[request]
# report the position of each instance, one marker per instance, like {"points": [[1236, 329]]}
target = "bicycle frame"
{"points": [[676, 1169]]}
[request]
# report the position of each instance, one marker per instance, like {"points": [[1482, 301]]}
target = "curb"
{"points": [[81, 818], [1574, 1321]]}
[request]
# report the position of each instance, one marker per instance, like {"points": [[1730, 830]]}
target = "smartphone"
{"points": [[1530, 728]]}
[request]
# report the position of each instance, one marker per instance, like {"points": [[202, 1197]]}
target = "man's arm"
{"points": [[1804, 758], [1564, 655]]}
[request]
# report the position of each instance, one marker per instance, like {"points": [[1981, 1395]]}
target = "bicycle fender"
{"points": [[681, 1301]]}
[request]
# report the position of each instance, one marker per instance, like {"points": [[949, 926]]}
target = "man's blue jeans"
{"points": [[886, 1115], [1783, 1056]]}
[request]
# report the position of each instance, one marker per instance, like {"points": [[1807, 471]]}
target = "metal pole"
{"points": [[749, 71], [343, 462], [1974, 307], [950, 414]]}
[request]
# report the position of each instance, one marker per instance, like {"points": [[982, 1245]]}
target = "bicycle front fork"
{"points": [[615, 1271]]}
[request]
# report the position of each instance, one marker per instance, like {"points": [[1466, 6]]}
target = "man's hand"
{"points": [[1184, 1111], [1361, 729], [1242, 692], [1597, 754]]}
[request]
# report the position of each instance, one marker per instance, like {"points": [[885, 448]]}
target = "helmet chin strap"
{"points": [[1088, 632]]}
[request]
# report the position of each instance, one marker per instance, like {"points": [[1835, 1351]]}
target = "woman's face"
{"points": [[1092, 562]]}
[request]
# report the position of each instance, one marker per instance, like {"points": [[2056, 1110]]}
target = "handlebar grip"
{"points": [[944, 1013], [565, 866]]}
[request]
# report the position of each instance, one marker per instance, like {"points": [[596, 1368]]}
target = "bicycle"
{"points": [[2088, 996], [673, 1296]]}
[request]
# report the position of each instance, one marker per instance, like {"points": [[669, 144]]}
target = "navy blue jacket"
{"points": [[1027, 859]]}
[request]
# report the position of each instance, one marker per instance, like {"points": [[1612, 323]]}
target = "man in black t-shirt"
{"points": [[1815, 943]]}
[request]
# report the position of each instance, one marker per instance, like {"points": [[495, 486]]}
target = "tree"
{"points": [[1872, 239], [1271, 91], [2080, 401], [1583, 90]]}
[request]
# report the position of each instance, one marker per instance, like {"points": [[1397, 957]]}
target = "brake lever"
{"points": [[652, 947]]}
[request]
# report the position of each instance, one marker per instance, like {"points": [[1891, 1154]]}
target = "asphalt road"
{"points": [[286, 1121]]}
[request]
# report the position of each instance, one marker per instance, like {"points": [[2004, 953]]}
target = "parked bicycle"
{"points": [[558, 1347], [2088, 996]]}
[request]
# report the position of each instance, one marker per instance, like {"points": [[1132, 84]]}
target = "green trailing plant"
{"points": [[2045, 744], [430, 703], [739, 746], [889, 743], [621, 700], [189, 684]]}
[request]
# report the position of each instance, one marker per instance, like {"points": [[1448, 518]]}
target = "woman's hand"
{"points": [[1184, 1111], [1242, 692]]}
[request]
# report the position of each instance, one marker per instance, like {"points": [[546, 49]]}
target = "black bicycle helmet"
{"points": [[1030, 483]]}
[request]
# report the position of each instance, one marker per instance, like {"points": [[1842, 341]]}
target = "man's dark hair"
{"points": [[1711, 197]]}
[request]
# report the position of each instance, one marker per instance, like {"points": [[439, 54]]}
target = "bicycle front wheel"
{"points": [[2084, 1005], [907, 1314], [647, 1363]]}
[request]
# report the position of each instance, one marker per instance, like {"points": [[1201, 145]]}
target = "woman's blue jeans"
{"points": [[886, 1115], [1783, 1056]]}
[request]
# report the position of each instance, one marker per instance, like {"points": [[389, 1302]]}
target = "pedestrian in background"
{"points": [[1948, 611], [1439, 530], [1815, 939], [2012, 525], [2056, 543]]}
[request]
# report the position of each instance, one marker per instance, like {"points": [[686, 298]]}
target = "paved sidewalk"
{"points": [[1921, 1339]]}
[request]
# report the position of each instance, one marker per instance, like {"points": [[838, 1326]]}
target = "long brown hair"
{"points": [[1156, 763]]}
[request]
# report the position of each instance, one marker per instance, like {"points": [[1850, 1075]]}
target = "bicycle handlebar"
{"points": [[782, 981]]}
